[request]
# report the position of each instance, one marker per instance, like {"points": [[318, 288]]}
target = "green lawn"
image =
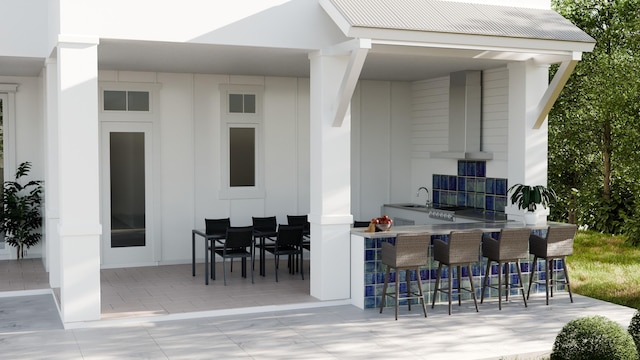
{"points": [[605, 267]]}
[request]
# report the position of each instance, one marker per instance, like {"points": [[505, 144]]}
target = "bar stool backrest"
{"points": [[411, 250], [560, 240], [464, 246], [514, 243]]}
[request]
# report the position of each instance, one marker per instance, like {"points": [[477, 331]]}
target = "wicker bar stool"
{"points": [[557, 245], [409, 253], [461, 250], [511, 246]]}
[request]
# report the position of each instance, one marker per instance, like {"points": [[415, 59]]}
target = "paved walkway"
{"points": [[300, 332]]}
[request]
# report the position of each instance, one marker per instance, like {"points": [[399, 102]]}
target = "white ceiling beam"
{"points": [[555, 87]]}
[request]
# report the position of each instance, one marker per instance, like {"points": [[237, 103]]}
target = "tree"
{"points": [[594, 125], [20, 216]]}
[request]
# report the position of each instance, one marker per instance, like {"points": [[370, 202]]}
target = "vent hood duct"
{"points": [[465, 117]]}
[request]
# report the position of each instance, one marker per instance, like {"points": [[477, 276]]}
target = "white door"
{"points": [[127, 221]]}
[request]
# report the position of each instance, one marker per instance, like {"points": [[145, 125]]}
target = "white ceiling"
{"points": [[384, 62]]}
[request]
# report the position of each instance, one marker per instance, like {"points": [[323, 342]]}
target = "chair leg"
{"points": [[546, 277], [566, 277], [252, 267], [507, 274], [532, 272], [520, 282], [276, 259], [244, 267], [450, 286], [473, 290], [500, 264], [384, 290], [301, 263], [459, 273], [213, 264], [407, 278], [224, 270], [397, 291], [484, 282], [437, 286], [420, 292]]}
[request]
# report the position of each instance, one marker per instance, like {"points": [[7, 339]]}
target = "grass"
{"points": [[605, 267]]}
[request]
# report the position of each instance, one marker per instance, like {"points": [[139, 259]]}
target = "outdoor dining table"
{"points": [[208, 241]]}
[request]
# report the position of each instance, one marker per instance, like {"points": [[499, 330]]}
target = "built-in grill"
{"points": [[445, 212]]}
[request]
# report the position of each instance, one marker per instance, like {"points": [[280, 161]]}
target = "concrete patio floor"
{"points": [[283, 329]]}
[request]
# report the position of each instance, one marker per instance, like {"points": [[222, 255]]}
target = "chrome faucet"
{"points": [[428, 202]]}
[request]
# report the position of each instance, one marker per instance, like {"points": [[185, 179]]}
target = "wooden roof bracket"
{"points": [[555, 87], [350, 79]]}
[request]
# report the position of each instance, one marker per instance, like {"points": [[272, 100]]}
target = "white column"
{"points": [[78, 170], [52, 204], [528, 149], [330, 183]]}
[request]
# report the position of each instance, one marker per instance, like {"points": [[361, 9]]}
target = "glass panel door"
{"points": [[127, 235], [127, 189]]}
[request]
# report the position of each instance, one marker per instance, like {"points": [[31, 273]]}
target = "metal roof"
{"points": [[459, 18]]}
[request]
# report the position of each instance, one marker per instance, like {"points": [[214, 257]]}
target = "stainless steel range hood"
{"points": [[465, 118]]}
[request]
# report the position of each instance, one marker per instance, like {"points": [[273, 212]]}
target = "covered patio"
{"points": [[163, 313]]}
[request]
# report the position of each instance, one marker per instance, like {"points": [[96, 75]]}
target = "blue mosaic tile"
{"points": [[369, 291], [500, 203], [471, 168], [480, 185], [436, 196], [501, 186], [452, 183], [369, 255], [488, 202], [462, 184], [462, 200], [436, 181], [479, 201], [489, 187], [481, 169], [369, 302], [462, 168]]}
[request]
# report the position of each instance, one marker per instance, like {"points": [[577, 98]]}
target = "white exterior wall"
{"points": [[430, 127], [380, 156], [188, 131]]}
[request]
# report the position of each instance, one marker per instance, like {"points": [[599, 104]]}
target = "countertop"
{"points": [[443, 229], [469, 213]]}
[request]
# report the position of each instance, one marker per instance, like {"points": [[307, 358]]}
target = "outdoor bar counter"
{"points": [[367, 279]]}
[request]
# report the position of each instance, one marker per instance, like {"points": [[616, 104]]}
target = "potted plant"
{"points": [[20, 216], [528, 197]]}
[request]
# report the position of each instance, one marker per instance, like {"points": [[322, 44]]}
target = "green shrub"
{"points": [[593, 338], [634, 329]]}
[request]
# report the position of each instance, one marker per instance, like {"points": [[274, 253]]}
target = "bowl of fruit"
{"points": [[383, 223]]}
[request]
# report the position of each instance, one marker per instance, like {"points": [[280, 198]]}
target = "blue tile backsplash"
{"points": [[471, 187]]}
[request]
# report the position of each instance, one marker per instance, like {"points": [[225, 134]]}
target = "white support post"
{"points": [[78, 170], [527, 146], [330, 183], [52, 214]]}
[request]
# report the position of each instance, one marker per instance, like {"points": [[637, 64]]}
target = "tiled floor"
{"points": [[296, 327]]}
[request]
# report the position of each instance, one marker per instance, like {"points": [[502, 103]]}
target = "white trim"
{"points": [[246, 120], [8, 97], [115, 115]]}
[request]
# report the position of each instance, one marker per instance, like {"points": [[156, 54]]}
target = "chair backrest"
{"points": [[239, 237], [464, 246], [514, 243], [301, 220], [289, 235], [361, 224], [411, 250], [560, 240], [268, 223], [217, 226]]}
